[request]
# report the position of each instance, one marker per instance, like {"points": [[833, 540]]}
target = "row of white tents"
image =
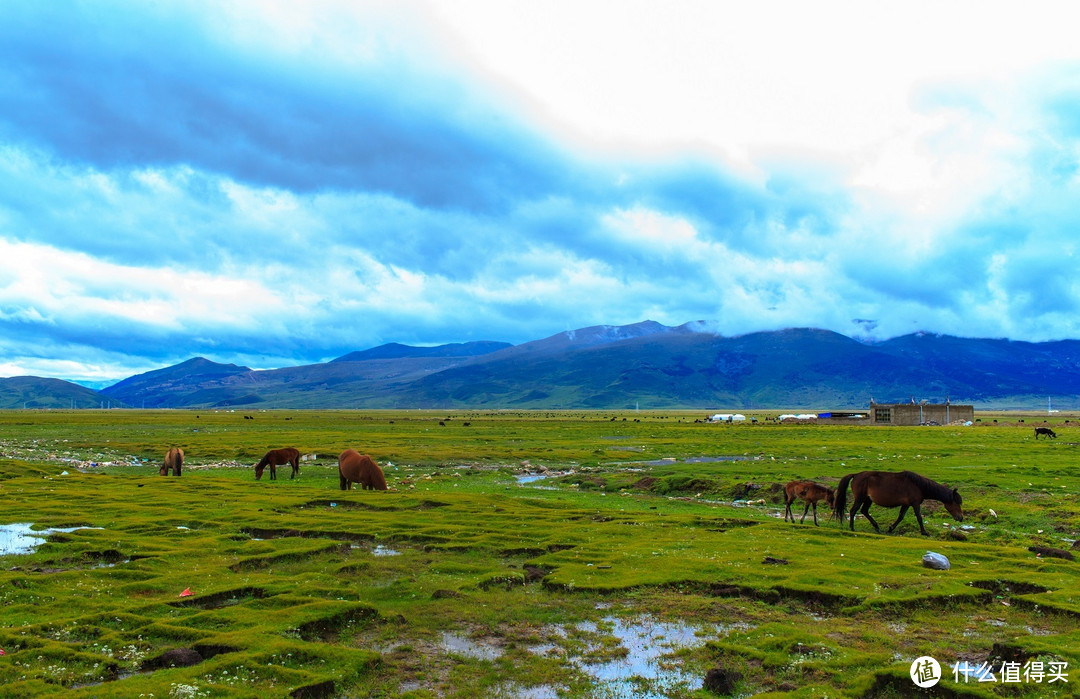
{"points": [[727, 417], [738, 417]]}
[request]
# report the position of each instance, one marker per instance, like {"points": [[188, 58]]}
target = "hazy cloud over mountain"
{"points": [[273, 183]]}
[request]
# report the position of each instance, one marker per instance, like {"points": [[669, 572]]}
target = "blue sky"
{"points": [[279, 183]]}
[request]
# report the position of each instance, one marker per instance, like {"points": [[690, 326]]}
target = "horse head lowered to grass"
{"points": [[278, 457], [905, 489], [354, 467]]}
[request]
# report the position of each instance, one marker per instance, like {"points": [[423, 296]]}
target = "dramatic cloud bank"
{"points": [[275, 183]]}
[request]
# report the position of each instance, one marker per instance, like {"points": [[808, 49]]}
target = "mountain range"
{"points": [[613, 367]]}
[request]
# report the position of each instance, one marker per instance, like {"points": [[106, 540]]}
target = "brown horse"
{"points": [[1045, 431], [174, 461], [811, 493], [903, 490], [354, 467], [278, 457]]}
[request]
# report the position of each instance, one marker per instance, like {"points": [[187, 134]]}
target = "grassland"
{"points": [[631, 566]]}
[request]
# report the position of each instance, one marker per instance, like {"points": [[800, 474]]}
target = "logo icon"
{"points": [[925, 672]]}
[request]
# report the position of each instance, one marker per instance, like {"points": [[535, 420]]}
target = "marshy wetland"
{"points": [[540, 555]]}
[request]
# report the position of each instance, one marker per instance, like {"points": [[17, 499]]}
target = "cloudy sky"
{"points": [[279, 183]]}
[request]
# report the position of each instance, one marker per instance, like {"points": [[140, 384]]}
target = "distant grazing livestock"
{"points": [[903, 490], [354, 467], [811, 493], [174, 461], [1046, 431], [278, 457]]}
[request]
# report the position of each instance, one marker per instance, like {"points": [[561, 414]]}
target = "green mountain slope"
{"points": [[34, 392], [646, 364]]}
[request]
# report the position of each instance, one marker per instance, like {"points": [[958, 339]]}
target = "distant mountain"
{"points": [[197, 381], [33, 392], [646, 364], [396, 351]]}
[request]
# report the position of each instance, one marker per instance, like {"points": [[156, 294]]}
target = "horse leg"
{"points": [[854, 509], [787, 509], [273, 471], [345, 485], [815, 514], [295, 468], [866, 513], [805, 510], [903, 511], [918, 516]]}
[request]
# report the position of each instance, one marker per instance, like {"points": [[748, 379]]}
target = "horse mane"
{"points": [[932, 489]]}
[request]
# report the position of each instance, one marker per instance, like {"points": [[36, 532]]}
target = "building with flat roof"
{"points": [[919, 413]]}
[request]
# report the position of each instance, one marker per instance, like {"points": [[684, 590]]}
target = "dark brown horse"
{"points": [[354, 467], [278, 457], [903, 490], [811, 493], [1045, 431], [174, 461]]}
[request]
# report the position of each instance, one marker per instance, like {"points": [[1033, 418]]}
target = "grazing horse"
{"points": [[278, 457], [1045, 430], [354, 467], [174, 461], [903, 490], [811, 493]]}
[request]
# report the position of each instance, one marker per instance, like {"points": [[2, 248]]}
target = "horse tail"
{"points": [[841, 497]]}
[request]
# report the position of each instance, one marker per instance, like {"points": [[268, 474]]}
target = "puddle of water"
{"points": [[516, 691], [112, 565], [532, 478], [459, 645], [20, 538], [646, 671], [381, 550]]}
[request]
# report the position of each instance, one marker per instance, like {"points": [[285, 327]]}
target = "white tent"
{"points": [[727, 417]]}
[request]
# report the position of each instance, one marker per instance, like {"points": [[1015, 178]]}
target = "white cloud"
{"points": [[54, 286], [760, 165]]}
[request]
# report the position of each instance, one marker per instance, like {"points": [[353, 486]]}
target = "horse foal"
{"points": [[811, 493]]}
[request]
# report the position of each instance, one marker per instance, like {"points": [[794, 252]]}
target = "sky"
{"points": [[279, 183]]}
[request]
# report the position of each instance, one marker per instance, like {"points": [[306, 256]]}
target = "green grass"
{"points": [[493, 588]]}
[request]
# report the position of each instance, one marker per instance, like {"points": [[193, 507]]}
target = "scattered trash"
{"points": [[2, 652], [993, 513], [64, 473], [333, 504], [935, 561], [187, 592]]}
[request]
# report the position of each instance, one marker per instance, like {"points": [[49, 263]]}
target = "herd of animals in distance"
{"points": [[904, 489], [353, 467]]}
